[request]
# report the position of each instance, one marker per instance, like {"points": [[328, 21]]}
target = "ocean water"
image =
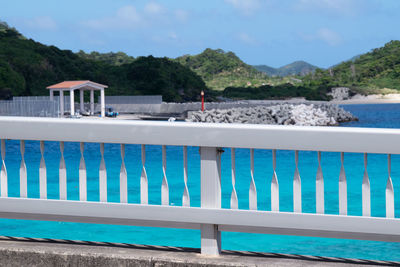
{"points": [[380, 116]]}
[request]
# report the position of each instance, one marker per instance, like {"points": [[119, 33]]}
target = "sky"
{"points": [[270, 32]]}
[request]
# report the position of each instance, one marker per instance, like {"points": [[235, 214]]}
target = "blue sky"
{"points": [[272, 32]]}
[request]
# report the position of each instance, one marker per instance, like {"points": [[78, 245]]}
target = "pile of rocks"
{"points": [[339, 93], [282, 114]]}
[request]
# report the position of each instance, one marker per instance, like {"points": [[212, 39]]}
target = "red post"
{"points": [[202, 100]]}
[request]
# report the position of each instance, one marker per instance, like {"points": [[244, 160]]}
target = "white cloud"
{"points": [[129, 18], [173, 35], [41, 23], [245, 38], [125, 17], [323, 34], [128, 14], [181, 15], [330, 37], [170, 37], [246, 7], [343, 7], [153, 8]]}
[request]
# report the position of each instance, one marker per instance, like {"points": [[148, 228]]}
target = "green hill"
{"points": [[220, 69], [296, 68], [111, 58], [28, 67], [213, 62], [370, 72]]}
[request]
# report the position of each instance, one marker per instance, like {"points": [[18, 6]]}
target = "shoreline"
{"points": [[369, 99]]}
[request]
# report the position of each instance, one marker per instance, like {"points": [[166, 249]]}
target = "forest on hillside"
{"points": [[368, 72], [116, 59], [28, 67], [282, 91]]}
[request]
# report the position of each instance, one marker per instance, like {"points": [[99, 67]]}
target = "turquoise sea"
{"points": [[379, 116]]}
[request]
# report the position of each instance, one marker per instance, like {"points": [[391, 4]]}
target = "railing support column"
{"points": [[72, 102], [91, 102], [62, 103], [81, 101], [210, 198], [102, 103]]}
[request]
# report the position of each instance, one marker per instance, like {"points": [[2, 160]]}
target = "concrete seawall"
{"points": [[46, 252]]}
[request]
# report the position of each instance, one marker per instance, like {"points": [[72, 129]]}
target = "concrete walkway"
{"points": [[48, 252]]}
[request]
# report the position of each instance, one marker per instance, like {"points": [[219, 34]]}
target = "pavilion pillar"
{"points": [[81, 100], [102, 103], [72, 102], [91, 102], [62, 103], [51, 95]]}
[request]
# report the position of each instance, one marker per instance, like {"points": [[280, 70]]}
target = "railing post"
{"points": [[210, 198], [91, 102], [62, 103]]}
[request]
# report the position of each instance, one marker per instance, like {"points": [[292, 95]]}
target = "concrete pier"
{"points": [[49, 252]]}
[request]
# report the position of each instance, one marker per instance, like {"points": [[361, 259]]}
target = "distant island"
{"points": [[27, 67]]}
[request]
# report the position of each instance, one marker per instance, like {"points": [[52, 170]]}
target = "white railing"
{"points": [[210, 218]]}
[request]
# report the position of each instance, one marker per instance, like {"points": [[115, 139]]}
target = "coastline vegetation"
{"points": [[281, 91]]}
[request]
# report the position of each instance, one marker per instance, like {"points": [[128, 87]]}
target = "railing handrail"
{"points": [[335, 139], [250, 221], [210, 218]]}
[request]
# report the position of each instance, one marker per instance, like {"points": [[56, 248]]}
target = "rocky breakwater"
{"points": [[282, 114]]}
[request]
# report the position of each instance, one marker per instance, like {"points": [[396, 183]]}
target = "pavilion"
{"points": [[71, 86]]}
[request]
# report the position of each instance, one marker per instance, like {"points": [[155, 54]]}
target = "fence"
{"points": [[37, 106], [29, 108], [210, 218], [33, 100]]}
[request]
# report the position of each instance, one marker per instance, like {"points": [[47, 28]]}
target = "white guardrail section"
{"points": [[209, 218]]}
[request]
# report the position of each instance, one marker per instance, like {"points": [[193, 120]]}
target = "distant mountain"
{"points": [[220, 69], [296, 68], [270, 71], [27, 67]]}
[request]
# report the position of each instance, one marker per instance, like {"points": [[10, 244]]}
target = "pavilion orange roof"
{"points": [[73, 84]]}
